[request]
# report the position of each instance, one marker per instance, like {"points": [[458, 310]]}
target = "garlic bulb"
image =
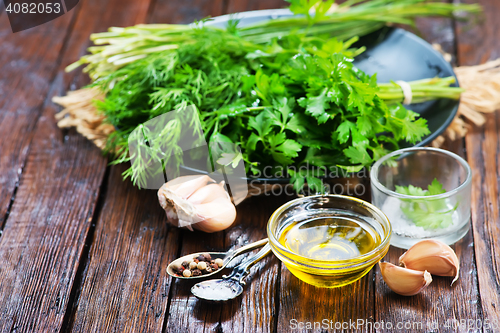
{"points": [[197, 201], [433, 256], [404, 281]]}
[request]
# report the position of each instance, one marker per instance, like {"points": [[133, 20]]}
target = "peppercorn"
{"points": [[176, 266], [219, 262], [202, 265]]}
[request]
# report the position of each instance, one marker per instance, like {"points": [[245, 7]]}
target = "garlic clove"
{"points": [[404, 281], [209, 193], [185, 186], [193, 203], [172, 197], [434, 256], [215, 215]]}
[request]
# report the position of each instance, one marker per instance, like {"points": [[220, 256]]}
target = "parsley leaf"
{"points": [[427, 213], [344, 131], [358, 155], [316, 106]]}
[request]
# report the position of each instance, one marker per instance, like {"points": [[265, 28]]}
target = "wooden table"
{"points": [[81, 250]]}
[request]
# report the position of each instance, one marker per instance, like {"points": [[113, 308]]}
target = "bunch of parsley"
{"points": [[296, 101]]}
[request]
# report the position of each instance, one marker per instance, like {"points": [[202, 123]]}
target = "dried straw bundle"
{"points": [[482, 95], [80, 112]]}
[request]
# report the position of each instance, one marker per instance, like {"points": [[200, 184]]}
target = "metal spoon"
{"points": [[225, 256], [229, 287]]}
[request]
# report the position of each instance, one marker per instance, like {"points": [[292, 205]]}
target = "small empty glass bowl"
{"points": [[425, 193], [329, 241]]}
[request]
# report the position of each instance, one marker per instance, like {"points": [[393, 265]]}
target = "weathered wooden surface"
{"points": [[482, 152], [235, 6], [131, 249], [477, 40], [59, 174], [83, 251], [479, 44], [59, 178], [44, 236], [26, 72]]}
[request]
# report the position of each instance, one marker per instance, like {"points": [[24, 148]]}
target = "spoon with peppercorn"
{"points": [[230, 286], [203, 264]]}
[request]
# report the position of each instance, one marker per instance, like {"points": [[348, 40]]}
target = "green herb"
{"points": [[288, 98], [428, 213], [286, 105], [119, 46], [421, 90]]}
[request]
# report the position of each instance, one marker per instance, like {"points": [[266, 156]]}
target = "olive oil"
{"points": [[330, 238]]}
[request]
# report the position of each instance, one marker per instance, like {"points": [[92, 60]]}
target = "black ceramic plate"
{"points": [[394, 54]]}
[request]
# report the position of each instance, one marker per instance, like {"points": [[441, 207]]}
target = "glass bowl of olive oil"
{"points": [[329, 240]]}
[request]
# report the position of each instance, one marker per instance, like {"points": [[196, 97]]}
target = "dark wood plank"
{"points": [[235, 6], [477, 40], [258, 308], [475, 45], [255, 309], [26, 72], [165, 11], [46, 230], [126, 287], [482, 151], [325, 309], [185, 312]]}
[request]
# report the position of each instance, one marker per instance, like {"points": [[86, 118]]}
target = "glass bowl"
{"points": [[347, 222], [406, 186]]}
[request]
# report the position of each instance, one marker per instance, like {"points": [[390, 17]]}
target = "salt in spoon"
{"points": [[229, 287]]}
